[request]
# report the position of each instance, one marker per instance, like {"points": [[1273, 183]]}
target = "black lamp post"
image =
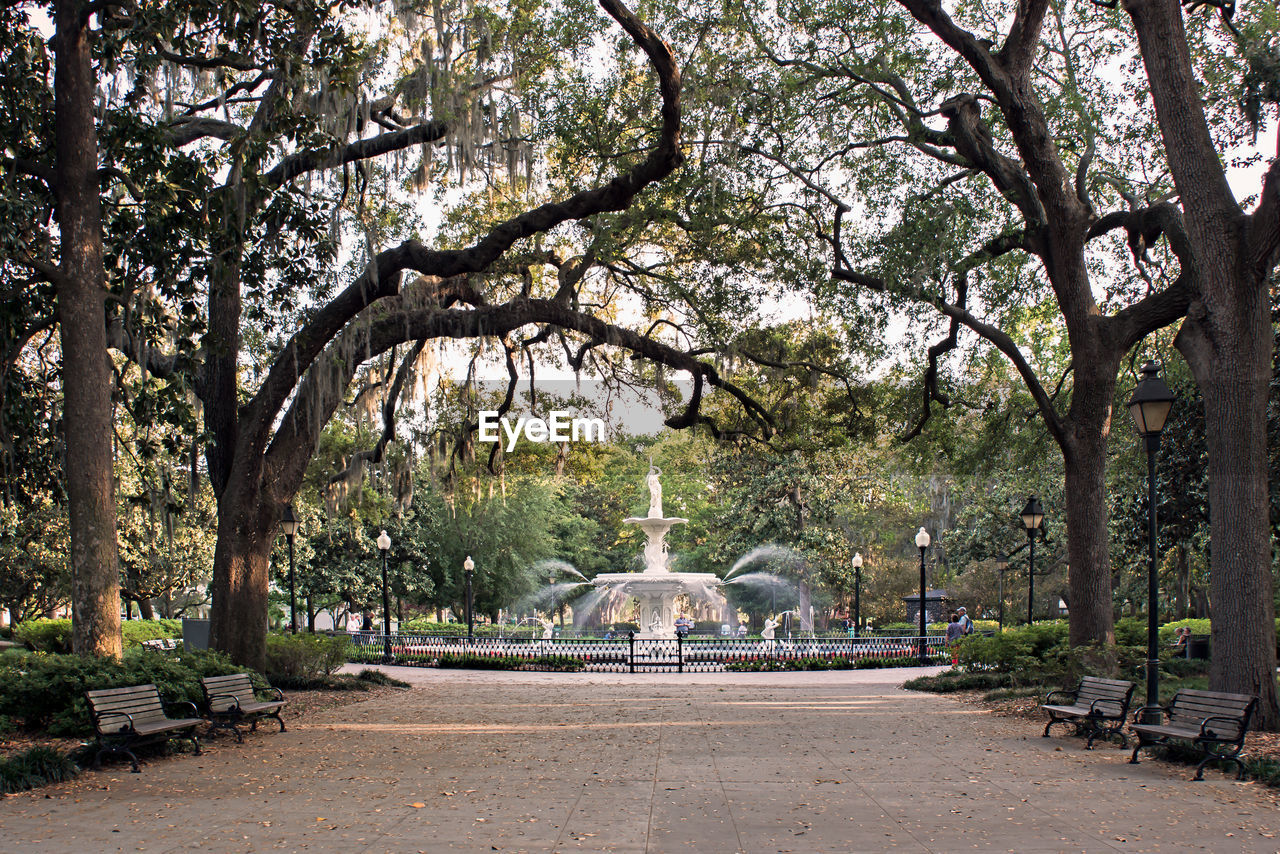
{"points": [[1150, 407], [384, 546], [857, 594], [289, 524], [1002, 566], [922, 543], [1032, 516], [469, 567]]}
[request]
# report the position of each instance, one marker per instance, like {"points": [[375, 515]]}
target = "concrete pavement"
{"points": [[776, 762]]}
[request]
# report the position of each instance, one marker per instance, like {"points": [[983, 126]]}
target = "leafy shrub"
{"points": [[44, 635], [952, 681], [377, 677], [1022, 649], [900, 629], [35, 767], [134, 632], [45, 691], [1132, 631], [304, 656]]}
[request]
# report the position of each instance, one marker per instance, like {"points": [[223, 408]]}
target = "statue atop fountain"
{"points": [[655, 491]]}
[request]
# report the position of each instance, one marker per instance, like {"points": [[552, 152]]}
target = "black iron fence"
{"points": [[638, 654]]}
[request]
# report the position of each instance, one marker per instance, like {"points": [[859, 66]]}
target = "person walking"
{"points": [[966, 625], [955, 631]]}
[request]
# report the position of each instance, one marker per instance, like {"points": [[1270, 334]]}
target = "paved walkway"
{"points": [[787, 762]]}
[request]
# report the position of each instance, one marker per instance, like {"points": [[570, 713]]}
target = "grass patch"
{"points": [[953, 680], [38, 766], [365, 680]]}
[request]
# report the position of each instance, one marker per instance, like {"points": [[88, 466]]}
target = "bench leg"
{"points": [[1133, 760], [118, 749], [279, 720], [1105, 732], [1051, 722], [225, 724]]}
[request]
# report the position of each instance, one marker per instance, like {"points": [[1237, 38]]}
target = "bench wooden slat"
{"points": [[1213, 721], [1097, 705], [232, 699], [127, 716]]}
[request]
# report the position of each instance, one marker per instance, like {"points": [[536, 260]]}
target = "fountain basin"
{"points": [[656, 592]]}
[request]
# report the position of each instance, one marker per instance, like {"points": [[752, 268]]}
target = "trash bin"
{"points": [[1198, 646], [195, 633]]}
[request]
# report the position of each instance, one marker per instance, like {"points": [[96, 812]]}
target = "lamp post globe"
{"points": [[1032, 517], [384, 546], [1149, 407], [469, 567], [922, 543], [289, 526], [857, 594]]}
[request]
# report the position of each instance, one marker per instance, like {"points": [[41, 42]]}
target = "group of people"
{"points": [[959, 626]]}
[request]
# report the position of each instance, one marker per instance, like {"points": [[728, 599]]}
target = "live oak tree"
{"points": [[1228, 258], [261, 439]]}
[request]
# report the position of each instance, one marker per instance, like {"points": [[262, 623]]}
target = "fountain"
{"points": [[656, 586]]}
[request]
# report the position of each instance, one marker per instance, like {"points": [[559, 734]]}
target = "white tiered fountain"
{"points": [[656, 587]]}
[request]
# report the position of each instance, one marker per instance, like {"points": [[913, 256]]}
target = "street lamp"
{"points": [[857, 594], [1032, 516], [1002, 566], [289, 524], [1150, 407], [922, 543], [468, 567], [384, 546]]}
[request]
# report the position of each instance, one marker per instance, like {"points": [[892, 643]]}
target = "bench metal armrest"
{"points": [[235, 702], [98, 716], [195, 713], [279, 695], [1096, 707], [1071, 695], [1205, 732]]}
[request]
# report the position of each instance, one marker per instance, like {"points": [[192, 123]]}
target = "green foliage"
{"points": [[45, 635], [377, 677], [134, 632], [46, 692], [956, 680], [1021, 649], [35, 767], [304, 656], [55, 635]]}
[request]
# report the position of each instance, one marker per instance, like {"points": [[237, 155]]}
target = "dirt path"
{"points": [[804, 762]]}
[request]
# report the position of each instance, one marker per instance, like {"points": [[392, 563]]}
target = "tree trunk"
{"points": [[1234, 375], [86, 374], [238, 617], [1085, 469], [1183, 603]]}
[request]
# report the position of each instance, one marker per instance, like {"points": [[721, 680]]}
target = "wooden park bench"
{"points": [[1096, 706], [1211, 721], [232, 701], [163, 643], [127, 717]]}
